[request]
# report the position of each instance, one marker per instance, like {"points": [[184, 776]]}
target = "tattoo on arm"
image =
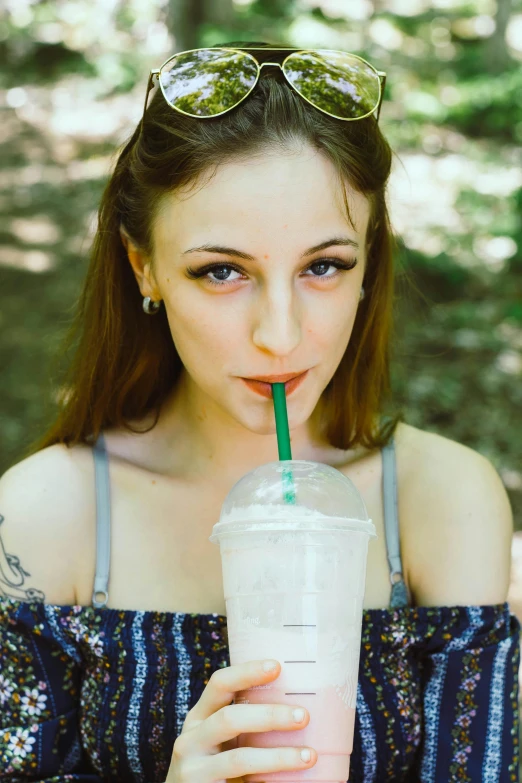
{"points": [[12, 577]]}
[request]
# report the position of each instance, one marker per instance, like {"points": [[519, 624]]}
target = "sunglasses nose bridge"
{"points": [[278, 65]]}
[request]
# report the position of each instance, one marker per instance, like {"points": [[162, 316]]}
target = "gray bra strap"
{"points": [[399, 594], [103, 523]]}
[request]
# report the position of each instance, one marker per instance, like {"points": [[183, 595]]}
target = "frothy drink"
{"points": [[294, 580]]}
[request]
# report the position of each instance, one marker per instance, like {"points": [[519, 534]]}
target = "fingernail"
{"points": [[306, 755], [269, 666]]}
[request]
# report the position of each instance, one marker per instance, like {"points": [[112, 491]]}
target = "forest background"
{"points": [[73, 75], [72, 81]]}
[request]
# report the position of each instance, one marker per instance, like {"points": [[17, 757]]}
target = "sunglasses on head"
{"points": [[204, 83]]}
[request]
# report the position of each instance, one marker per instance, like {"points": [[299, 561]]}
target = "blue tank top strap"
{"points": [[399, 592], [103, 523]]}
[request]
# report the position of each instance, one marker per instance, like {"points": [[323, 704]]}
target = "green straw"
{"points": [[283, 439]]}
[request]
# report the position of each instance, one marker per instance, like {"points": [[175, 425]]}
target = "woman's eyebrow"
{"points": [[230, 251]]}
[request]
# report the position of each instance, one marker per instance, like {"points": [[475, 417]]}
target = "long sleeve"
{"points": [[470, 713], [40, 679]]}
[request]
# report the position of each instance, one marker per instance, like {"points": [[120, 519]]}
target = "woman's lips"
{"points": [[265, 389]]}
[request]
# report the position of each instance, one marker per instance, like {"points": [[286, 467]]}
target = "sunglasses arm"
{"points": [[150, 85], [382, 77]]}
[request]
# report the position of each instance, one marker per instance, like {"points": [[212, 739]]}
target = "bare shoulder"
{"points": [[46, 504], [456, 520]]}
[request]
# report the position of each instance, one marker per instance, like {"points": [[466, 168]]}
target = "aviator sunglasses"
{"points": [[204, 83]]}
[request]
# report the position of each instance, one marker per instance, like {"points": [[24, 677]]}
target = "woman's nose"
{"points": [[277, 321]]}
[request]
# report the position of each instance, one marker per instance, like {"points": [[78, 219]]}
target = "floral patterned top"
{"points": [[96, 695]]}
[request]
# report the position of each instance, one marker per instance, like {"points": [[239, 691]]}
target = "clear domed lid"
{"points": [[293, 495]]}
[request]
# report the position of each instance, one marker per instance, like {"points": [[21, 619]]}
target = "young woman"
{"points": [[243, 238]]}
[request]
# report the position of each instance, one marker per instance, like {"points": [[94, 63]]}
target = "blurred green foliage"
{"points": [[452, 113]]}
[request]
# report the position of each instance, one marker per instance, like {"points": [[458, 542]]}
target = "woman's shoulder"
{"points": [[457, 522], [423, 453], [47, 503]]}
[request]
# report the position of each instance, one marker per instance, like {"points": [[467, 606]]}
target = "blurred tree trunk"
{"points": [[185, 18], [220, 11], [496, 53]]}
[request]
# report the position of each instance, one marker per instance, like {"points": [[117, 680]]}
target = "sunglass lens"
{"points": [[341, 84], [207, 82]]}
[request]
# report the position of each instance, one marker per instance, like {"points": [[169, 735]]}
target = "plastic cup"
{"points": [[294, 578]]}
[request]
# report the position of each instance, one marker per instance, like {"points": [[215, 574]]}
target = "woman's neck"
{"points": [[195, 438]]}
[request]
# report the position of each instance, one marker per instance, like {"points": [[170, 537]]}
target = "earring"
{"points": [[150, 307], [362, 293]]}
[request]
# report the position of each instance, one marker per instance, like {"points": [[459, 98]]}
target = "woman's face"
{"points": [[285, 308]]}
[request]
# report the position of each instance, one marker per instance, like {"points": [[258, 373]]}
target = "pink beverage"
{"points": [[331, 765], [294, 579]]}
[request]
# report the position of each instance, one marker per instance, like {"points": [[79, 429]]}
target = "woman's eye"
{"points": [[222, 274], [320, 268]]}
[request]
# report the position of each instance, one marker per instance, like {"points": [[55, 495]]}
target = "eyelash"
{"points": [[196, 274]]}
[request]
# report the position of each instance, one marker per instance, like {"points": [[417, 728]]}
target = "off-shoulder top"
{"points": [[92, 694]]}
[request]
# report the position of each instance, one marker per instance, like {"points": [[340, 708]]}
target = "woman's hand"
{"points": [[206, 750]]}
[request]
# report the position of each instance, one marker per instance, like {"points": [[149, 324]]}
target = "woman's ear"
{"points": [[141, 266]]}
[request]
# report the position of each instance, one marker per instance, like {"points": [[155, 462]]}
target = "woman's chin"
{"points": [[264, 423]]}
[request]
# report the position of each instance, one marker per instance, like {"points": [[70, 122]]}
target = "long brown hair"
{"points": [[125, 362]]}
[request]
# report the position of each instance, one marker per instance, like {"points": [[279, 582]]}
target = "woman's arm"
{"points": [[470, 713], [458, 532], [40, 669], [458, 527], [47, 502], [40, 685]]}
